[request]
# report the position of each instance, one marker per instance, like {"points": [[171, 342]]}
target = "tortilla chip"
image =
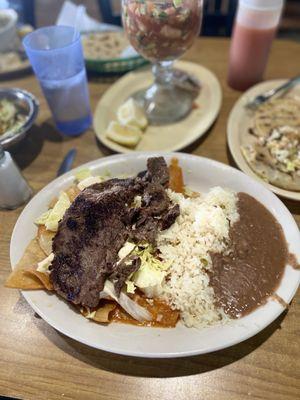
{"points": [[43, 277], [72, 193], [19, 277], [102, 314], [45, 238], [53, 202]]}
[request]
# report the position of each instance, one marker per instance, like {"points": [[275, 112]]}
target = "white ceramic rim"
{"points": [[12, 16], [287, 222]]}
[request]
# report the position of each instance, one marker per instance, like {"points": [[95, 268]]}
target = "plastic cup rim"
{"points": [[31, 49]]}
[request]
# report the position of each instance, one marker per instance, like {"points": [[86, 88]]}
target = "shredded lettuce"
{"points": [[52, 217], [41, 220], [290, 166], [130, 287], [90, 180], [85, 178], [57, 212], [151, 274], [83, 174]]}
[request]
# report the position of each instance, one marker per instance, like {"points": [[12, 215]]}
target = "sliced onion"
{"points": [[135, 310]]}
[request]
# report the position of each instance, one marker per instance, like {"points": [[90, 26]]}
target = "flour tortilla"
{"points": [[275, 113], [104, 45], [44, 238], [269, 173]]}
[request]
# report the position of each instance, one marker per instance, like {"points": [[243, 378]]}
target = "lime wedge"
{"points": [[123, 134], [130, 113]]}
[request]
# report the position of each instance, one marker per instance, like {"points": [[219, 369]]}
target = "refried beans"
{"points": [[246, 275]]}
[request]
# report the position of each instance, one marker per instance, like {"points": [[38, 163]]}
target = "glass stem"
{"points": [[163, 73]]}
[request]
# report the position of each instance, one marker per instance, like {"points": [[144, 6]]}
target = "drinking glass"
{"points": [[56, 56], [161, 31]]}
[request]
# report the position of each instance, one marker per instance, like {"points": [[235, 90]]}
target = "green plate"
{"points": [[115, 65]]}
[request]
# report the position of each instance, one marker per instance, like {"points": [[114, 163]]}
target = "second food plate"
{"points": [[240, 132], [171, 137]]}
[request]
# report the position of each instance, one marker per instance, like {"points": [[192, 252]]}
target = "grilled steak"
{"points": [[98, 223], [122, 271], [158, 171]]}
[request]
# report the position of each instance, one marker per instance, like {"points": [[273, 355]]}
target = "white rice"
{"points": [[202, 227]]}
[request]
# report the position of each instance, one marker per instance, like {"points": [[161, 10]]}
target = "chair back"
{"points": [[218, 17], [25, 10], [109, 16]]}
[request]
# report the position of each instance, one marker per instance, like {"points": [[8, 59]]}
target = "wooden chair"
{"points": [[217, 19], [108, 14], [25, 10]]}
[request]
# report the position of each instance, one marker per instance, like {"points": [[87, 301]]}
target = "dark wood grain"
{"points": [[36, 362]]}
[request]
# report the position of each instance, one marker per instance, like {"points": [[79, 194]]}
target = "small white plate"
{"points": [[238, 124], [171, 137], [200, 174], [13, 70]]}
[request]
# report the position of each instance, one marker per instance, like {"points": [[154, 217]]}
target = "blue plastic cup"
{"points": [[56, 56]]}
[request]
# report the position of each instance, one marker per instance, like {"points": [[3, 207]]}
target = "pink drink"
{"points": [[255, 27], [248, 55]]}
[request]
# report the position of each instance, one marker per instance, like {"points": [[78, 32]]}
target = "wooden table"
{"points": [[36, 362]]}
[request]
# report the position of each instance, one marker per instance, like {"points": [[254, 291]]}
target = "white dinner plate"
{"points": [[200, 174], [170, 137], [238, 124]]}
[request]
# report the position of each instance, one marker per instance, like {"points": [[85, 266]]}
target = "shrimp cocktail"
{"points": [[161, 31]]}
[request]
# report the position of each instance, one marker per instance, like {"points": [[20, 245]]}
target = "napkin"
{"points": [[70, 12]]}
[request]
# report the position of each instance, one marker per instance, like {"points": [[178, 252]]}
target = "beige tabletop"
{"points": [[36, 362]]}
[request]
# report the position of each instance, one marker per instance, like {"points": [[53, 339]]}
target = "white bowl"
{"points": [[200, 174], [8, 33]]}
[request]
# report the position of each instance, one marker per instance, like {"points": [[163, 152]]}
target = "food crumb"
{"points": [[159, 317]]}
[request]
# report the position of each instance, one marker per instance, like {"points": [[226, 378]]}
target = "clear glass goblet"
{"points": [[161, 31]]}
